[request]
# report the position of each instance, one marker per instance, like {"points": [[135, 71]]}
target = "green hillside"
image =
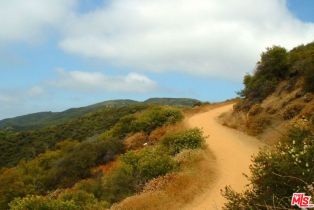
{"points": [[173, 101], [44, 119], [61, 167]]}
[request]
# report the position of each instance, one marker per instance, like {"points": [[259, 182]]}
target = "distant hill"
{"points": [[173, 101], [44, 119]]}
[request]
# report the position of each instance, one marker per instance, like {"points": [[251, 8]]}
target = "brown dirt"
{"points": [[232, 150]]}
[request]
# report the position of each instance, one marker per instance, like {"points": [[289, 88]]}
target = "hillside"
{"points": [[277, 106], [97, 160], [142, 155], [173, 101], [271, 101], [44, 119]]}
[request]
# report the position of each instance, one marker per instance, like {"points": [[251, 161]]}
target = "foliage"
{"points": [[278, 173], [190, 139], [45, 119], [186, 102], [136, 169], [149, 163], [41, 203], [56, 169], [156, 117], [27, 145], [272, 68], [256, 124], [301, 61], [146, 121], [65, 163], [65, 200], [75, 164], [276, 65]]}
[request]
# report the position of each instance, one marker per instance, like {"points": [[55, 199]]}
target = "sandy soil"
{"points": [[232, 150]]}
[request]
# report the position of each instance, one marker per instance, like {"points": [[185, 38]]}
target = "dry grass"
{"points": [[269, 120], [158, 133], [135, 141], [139, 140], [175, 190], [206, 107], [236, 120]]}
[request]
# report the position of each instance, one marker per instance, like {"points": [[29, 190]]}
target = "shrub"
{"points": [[93, 186], [149, 163], [78, 197], [278, 173], [76, 164], [135, 141], [190, 139], [136, 169], [41, 203], [274, 63], [156, 117], [123, 127], [119, 184], [258, 87], [255, 109], [147, 121], [256, 124], [272, 68]]}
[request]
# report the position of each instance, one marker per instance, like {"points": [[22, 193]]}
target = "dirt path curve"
{"points": [[232, 150]]}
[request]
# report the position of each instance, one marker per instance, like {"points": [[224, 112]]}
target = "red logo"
{"points": [[301, 200]]}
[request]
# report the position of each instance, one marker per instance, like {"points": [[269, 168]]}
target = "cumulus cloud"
{"points": [[204, 37], [99, 82], [22, 20]]}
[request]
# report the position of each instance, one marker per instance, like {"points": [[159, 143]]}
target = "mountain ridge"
{"points": [[48, 118]]}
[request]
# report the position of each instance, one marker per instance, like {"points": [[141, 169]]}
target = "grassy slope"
{"points": [[44, 119], [269, 119]]}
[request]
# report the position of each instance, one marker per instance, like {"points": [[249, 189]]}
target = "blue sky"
{"points": [[58, 54]]}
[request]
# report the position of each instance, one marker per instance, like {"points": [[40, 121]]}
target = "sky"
{"points": [[59, 54]]}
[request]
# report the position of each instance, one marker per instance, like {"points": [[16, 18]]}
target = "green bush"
{"points": [[146, 121], [64, 200], [92, 185], [33, 202], [149, 163], [78, 197], [271, 69], [156, 117], [190, 139], [136, 169], [119, 184], [274, 63], [75, 165], [278, 173]]}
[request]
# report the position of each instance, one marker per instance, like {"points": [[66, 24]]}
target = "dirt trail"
{"points": [[232, 150]]}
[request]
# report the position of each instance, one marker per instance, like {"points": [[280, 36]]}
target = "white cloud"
{"points": [[35, 91], [99, 82], [25, 20], [204, 37]]}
